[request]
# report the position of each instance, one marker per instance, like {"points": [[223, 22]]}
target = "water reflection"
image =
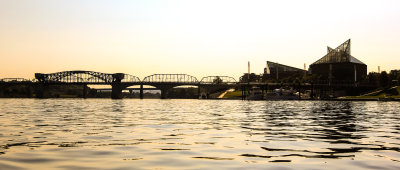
{"points": [[198, 134], [339, 129], [336, 122]]}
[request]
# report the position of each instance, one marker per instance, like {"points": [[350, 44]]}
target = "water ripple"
{"points": [[198, 134]]}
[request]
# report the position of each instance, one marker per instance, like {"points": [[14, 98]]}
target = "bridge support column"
{"points": [[116, 85], [141, 91], [164, 93], [85, 89], [116, 92], [198, 92]]}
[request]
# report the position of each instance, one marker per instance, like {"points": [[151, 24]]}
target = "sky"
{"points": [[195, 37]]}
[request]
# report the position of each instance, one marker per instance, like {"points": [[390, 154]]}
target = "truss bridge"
{"points": [[121, 81], [163, 82]]}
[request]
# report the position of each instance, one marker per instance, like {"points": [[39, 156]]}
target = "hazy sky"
{"points": [[200, 38]]}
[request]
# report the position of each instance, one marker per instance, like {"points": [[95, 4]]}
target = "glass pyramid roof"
{"points": [[272, 66], [340, 54]]}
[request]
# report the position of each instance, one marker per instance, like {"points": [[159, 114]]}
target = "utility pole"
{"points": [[277, 70], [248, 69]]}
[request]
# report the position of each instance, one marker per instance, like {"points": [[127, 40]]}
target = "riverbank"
{"points": [[386, 94]]}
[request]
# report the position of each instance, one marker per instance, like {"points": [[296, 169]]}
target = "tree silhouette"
{"points": [[384, 79], [217, 80]]}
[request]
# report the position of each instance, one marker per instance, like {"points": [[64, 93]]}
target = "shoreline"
{"points": [[360, 99], [334, 99]]}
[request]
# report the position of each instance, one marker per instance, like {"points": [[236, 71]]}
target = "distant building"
{"points": [[279, 71], [338, 64]]}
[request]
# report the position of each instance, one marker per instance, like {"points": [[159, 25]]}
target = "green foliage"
{"points": [[394, 75], [17, 91], [384, 93], [373, 77], [295, 78], [182, 93], [249, 78], [384, 79]]}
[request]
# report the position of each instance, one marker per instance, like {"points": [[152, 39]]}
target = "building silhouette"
{"points": [[339, 65], [279, 71]]}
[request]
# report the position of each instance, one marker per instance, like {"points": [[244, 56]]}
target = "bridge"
{"points": [[14, 80], [164, 82], [121, 81]]}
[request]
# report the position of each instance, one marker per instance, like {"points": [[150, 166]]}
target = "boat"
{"points": [[282, 94], [255, 93]]}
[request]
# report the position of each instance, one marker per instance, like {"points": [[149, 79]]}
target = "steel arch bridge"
{"points": [[85, 77], [120, 81], [92, 77], [171, 78], [218, 80], [130, 79]]}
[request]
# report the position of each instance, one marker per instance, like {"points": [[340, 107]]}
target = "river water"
{"points": [[198, 134]]}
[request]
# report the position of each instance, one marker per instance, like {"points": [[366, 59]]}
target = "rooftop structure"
{"points": [[340, 54], [280, 71], [338, 64]]}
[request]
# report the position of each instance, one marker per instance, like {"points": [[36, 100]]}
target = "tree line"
{"points": [[383, 79]]}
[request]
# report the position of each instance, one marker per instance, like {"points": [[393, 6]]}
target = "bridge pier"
{"points": [[198, 92], [116, 91], [116, 86], [141, 91], [203, 92], [164, 93], [84, 92]]}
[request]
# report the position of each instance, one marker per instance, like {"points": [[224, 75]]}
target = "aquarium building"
{"points": [[339, 65]]}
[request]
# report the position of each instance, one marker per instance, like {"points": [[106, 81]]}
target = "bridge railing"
{"points": [[170, 78], [130, 79], [75, 77], [80, 76]]}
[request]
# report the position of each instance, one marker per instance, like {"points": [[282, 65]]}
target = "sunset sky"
{"points": [[200, 38]]}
